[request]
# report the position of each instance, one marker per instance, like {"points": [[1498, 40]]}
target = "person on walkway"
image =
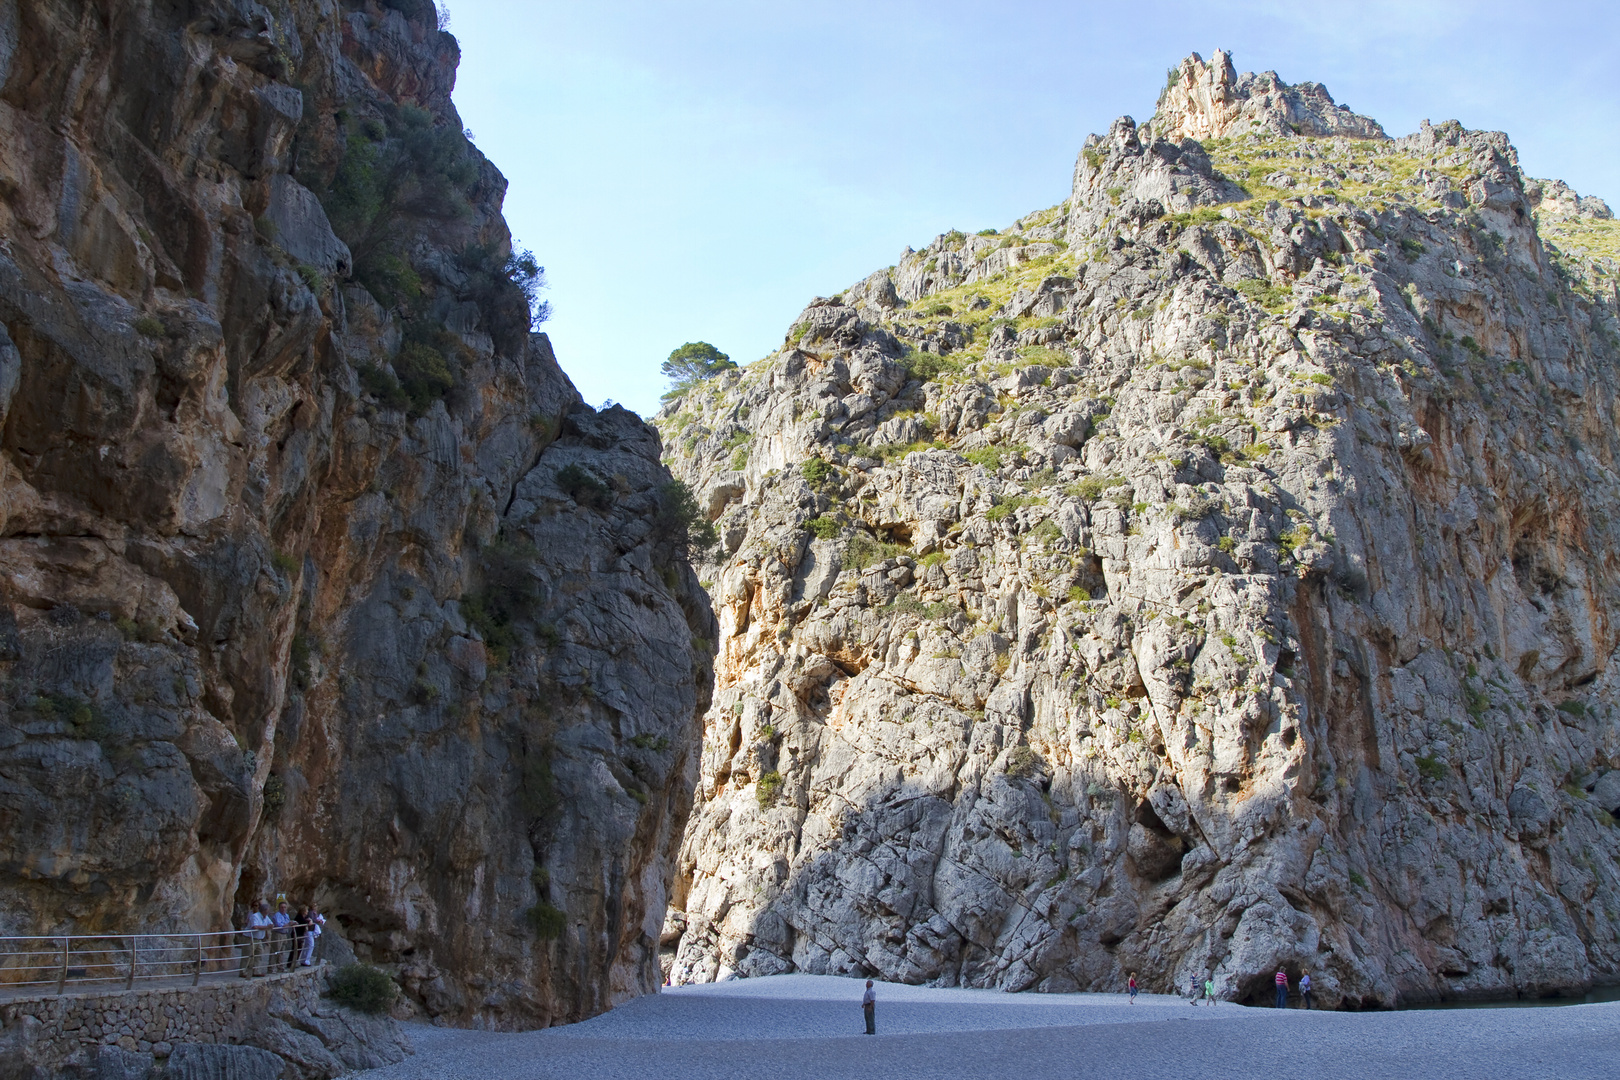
{"points": [[1209, 991], [258, 926], [300, 927], [312, 933], [1131, 986], [281, 928], [869, 1007], [1282, 988], [1305, 988]]}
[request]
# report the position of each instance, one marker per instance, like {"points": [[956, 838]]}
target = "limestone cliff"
{"points": [[316, 575], [1211, 572]]}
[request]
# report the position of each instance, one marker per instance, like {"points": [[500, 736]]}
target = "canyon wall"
{"points": [[1212, 572], [316, 575]]}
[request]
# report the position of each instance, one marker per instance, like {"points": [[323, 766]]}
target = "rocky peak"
{"points": [[1556, 199], [1205, 101], [1192, 577], [1135, 176]]}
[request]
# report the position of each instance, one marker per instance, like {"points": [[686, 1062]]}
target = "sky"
{"points": [[700, 171]]}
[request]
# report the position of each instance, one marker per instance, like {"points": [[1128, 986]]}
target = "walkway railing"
{"points": [[57, 964]]}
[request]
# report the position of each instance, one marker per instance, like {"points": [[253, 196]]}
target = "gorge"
{"points": [[1210, 572]]}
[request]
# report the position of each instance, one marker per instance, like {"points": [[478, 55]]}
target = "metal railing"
{"points": [[53, 964]]}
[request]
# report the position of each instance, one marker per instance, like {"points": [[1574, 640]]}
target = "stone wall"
{"points": [[51, 1035]]}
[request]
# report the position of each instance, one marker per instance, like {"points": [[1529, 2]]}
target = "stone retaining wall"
{"points": [[152, 1021]]}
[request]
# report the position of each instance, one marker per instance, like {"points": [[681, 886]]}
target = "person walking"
{"points": [[1282, 988], [1209, 991], [312, 933], [258, 926], [1131, 986], [1305, 988], [869, 1007]]}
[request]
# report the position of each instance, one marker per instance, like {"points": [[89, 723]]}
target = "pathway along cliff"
{"points": [[1215, 571], [316, 576]]}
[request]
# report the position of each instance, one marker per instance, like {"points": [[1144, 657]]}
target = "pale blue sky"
{"points": [[700, 171]]}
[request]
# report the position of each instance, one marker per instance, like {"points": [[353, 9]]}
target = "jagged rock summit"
{"points": [[1211, 101], [1208, 573]]}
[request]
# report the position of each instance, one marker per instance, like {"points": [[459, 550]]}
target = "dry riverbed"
{"points": [[803, 1026]]}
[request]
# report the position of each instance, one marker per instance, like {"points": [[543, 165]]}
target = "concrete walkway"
{"points": [[806, 1027]]}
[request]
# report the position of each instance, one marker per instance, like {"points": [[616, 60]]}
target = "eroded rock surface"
{"points": [[291, 597], [1212, 572]]}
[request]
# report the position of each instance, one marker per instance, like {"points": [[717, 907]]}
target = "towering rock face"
{"points": [[1210, 573], [316, 576]]}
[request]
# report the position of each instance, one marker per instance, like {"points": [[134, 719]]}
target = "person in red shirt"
{"points": [[1282, 989]]}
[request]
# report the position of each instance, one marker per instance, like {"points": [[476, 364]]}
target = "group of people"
{"points": [[282, 937], [1282, 988], [1209, 989], [869, 999]]}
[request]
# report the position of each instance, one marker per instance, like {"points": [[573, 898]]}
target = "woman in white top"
{"points": [[316, 921]]}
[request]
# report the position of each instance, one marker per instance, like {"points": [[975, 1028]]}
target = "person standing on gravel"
{"points": [[1305, 988], [869, 1007], [1131, 986], [1282, 988], [1209, 991]]}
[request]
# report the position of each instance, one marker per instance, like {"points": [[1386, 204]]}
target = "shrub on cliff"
{"points": [[506, 287], [423, 11], [546, 921], [680, 523], [583, 488], [817, 470], [405, 168], [862, 551], [823, 527], [925, 366], [423, 375], [508, 594], [362, 987], [383, 386]]}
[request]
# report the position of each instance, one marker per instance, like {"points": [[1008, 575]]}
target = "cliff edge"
{"points": [[316, 576]]}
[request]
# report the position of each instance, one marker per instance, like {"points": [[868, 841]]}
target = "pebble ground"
{"points": [[809, 1027]]}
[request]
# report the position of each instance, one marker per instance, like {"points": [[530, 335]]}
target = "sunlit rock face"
{"points": [[291, 596], [1212, 572]]}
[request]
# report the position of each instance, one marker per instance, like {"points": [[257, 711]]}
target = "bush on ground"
{"points": [[362, 987]]}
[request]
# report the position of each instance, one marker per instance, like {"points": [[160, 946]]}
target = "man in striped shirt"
{"points": [[1282, 988]]}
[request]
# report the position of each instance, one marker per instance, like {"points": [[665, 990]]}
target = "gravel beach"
{"points": [[808, 1027]]}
